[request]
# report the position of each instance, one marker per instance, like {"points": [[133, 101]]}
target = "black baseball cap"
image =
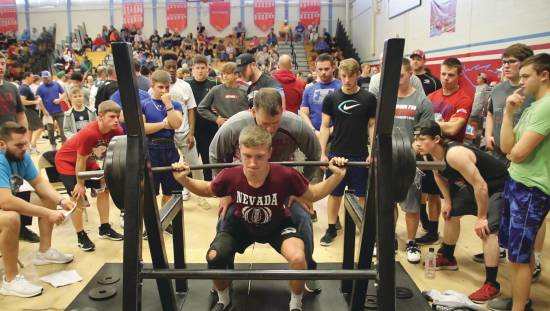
{"points": [[243, 60], [427, 127]]}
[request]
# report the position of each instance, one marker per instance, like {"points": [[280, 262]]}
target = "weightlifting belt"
{"points": [[160, 141]]}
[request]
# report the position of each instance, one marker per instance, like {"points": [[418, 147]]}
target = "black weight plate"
{"points": [[114, 167], [403, 163], [109, 279], [408, 170], [102, 292], [403, 292], [371, 302]]}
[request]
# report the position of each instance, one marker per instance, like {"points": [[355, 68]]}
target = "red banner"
{"points": [[220, 14], [132, 14], [176, 15], [8, 16], [264, 14], [310, 12]]}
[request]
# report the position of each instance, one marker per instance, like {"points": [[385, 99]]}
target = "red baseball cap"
{"points": [[418, 53]]}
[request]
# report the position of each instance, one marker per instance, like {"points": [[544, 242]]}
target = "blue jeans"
{"points": [[302, 221]]}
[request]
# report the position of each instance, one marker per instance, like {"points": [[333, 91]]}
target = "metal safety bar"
{"points": [[258, 274]]}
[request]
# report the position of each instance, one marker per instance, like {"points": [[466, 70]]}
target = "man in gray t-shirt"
{"points": [[225, 99], [411, 108], [497, 102], [512, 57]]}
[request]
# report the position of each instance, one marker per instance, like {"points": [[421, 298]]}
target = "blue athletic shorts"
{"points": [[524, 211], [164, 155], [355, 179]]}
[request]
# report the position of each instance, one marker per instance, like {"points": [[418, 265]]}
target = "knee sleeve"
{"points": [[224, 252]]}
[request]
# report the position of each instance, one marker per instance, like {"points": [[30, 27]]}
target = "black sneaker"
{"points": [[428, 239], [313, 287], [328, 238], [220, 307], [314, 216], [84, 242], [338, 225], [26, 234], [481, 259], [536, 273], [108, 233]]}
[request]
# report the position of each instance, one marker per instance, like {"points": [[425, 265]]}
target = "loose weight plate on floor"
{"points": [[265, 295]]}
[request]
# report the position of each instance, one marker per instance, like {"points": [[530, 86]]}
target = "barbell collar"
{"points": [[423, 165]]}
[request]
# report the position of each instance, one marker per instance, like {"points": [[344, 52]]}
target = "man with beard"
{"points": [[11, 109], [246, 66], [16, 166]]}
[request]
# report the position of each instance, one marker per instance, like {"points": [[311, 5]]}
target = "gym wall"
{"points": [[483, 29], [95, 14]]}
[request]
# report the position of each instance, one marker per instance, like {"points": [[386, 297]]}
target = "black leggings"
{"points": [[203, 143]]}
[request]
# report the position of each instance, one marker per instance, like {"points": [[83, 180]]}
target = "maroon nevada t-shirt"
{"points": [[260, 210]]}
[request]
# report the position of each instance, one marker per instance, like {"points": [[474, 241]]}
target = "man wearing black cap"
{"points": [[246, 67], [471, 184], [429, 82]]}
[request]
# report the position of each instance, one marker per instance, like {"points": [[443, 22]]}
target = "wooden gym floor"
{"points": [[200, 220]]}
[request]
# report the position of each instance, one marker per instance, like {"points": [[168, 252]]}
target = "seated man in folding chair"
{"points": [[259, 191], [15, 167]]}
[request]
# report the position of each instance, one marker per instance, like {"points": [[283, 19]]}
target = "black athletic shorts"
{"points": [[464, 203], [239, 239], [69, 181], [33, 119], [429, 185]]}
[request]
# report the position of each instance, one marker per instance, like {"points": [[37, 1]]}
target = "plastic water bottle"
{"points": [[429, 264]]}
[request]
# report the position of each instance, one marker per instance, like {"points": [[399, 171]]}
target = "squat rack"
{"points": [[141, 207]]}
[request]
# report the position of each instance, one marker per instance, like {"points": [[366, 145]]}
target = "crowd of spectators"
{"points": [[25, 53]]}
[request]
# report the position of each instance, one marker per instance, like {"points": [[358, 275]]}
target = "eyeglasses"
{"points": [[509, 62]]}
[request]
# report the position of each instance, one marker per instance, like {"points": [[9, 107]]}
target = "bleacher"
{"points": [[344, 42]]}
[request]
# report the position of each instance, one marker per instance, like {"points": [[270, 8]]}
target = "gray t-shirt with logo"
{"points": [[410, 110], [497, 103]]}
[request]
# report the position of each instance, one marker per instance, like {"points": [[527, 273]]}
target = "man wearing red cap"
{"points": [[429, 82]]}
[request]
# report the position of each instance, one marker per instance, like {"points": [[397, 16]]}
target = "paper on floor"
{"points": [[62, 278]]}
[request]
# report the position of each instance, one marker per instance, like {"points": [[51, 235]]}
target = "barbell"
{"points": [[403, 161]]}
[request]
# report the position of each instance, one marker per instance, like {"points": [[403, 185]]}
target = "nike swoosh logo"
{"points": [[346, 107]]}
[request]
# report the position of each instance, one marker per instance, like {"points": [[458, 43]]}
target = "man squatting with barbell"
{"points": [[259, 193], [289, 134]]}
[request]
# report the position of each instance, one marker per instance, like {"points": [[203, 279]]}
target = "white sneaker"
{"points": [[185, 194], [121, 220], [51, 256], [413, 252], [19, 287]]}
